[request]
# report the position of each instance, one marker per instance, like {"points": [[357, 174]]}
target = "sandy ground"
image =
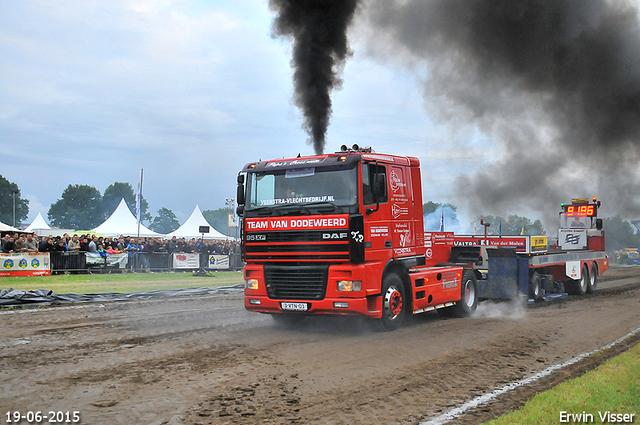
{"points": [[205, 360]]}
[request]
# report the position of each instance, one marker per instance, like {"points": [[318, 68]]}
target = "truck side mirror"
{"points": [[379, 186], [240, 193], [378, 190], [599, 223]]}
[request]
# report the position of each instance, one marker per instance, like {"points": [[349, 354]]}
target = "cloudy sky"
{"points": [[94, 91], [191, 90]]}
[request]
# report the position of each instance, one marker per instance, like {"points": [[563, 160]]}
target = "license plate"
{"points": [[294, 306]]}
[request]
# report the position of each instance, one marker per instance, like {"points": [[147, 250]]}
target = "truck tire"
{"points": [[535, 286], [579, 287], [469, 295], [394, 302], [593, 279]]}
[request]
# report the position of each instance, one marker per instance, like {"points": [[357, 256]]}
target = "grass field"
{"points": [[120, 282], [613, 387]]}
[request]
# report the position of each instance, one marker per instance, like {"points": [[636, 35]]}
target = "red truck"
{"points": [[342, 233]]}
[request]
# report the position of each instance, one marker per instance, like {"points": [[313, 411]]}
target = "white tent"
{"points": [[7, 228], [38, 223], [123, 222], [191, 228]]}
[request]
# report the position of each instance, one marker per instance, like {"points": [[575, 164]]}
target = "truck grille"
{"points": [[310, 245], [296, 283]]}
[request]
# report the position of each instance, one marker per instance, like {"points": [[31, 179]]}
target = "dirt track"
{"points": [[205, 360]]}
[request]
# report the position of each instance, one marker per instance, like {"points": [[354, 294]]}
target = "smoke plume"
{"points": [[555, 83], [319, 32]]}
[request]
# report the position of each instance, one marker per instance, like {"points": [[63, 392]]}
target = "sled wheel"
{"points": [[535, 286], [593, 279]]}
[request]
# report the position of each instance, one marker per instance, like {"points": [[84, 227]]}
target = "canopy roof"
{"points": [[123, 222], [38, 223], [191, 228], [7, 228]]}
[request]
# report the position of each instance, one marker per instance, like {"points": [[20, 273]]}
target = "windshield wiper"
{"points": [[294, 208], [331, 205], [265, 211]]}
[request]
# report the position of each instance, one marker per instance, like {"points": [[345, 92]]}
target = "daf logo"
{"points": [[334, 235]]}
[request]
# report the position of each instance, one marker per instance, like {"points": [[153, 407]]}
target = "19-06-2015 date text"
{"points": [[43, 417]]}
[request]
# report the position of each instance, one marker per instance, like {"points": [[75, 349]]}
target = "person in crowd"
{"points": [[172, 246], [101, 250], [18, 245], [93, 244], [84, 243], [59, 246], [74, 244], [5, 239], [9, 245], [30, 243]]}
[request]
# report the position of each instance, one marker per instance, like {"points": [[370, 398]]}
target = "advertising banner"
{"points": [[569, 239], [95, 259], [519, 243], [218, 262], [186, 261], [25, 264]]}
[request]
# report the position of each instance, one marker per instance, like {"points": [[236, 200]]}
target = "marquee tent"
{"points": [[123, 222], [7, 228], [191, 228], [38, 223]]}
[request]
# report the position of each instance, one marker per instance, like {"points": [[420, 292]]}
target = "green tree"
{"points": [[119, 190], [79, 208], [513, 225], [219, 219], [165, 222], [619, 234], [8, 192]]}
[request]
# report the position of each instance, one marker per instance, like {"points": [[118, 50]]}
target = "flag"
{"points": [[500, 229], [139, 198], [522, 232], [442, 222], [232, 220], [474, 225]]}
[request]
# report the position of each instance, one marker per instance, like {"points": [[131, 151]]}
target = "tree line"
{"points": [[83, 207]]}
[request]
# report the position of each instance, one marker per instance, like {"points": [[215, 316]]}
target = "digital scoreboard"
{"points": [[581, 208]]}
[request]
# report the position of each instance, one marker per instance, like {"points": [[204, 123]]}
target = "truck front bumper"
{"points": [[367, 306]]}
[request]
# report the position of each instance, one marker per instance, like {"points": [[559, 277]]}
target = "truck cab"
{"points": [[338, 233]]}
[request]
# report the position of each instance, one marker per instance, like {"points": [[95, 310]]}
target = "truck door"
{"points": [[400, 200]]}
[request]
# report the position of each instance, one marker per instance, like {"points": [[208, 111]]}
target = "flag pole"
{"points": [[139, 202]]}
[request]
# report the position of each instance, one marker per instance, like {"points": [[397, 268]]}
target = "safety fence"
{"points": [[90, 262]]}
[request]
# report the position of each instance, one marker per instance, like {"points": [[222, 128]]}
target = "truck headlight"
{"points": [[349, 285], [251, 284]]}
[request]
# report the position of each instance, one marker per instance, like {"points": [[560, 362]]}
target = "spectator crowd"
{"points": [[17, 243]]}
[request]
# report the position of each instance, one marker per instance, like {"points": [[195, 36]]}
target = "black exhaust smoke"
{"points": [[555, 82], [319, 32]]}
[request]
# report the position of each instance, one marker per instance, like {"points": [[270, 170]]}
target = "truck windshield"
{"points": [[328, 188]]}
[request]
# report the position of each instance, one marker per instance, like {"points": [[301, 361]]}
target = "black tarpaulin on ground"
{"points": [[46, 296]]}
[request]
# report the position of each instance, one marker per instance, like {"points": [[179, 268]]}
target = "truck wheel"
{"points": [[579, 287], [535, 286], [394, 303], [593, 279], [469, 295]]}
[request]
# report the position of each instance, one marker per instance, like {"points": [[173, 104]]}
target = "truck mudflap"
{"points": [[367, 306]]}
